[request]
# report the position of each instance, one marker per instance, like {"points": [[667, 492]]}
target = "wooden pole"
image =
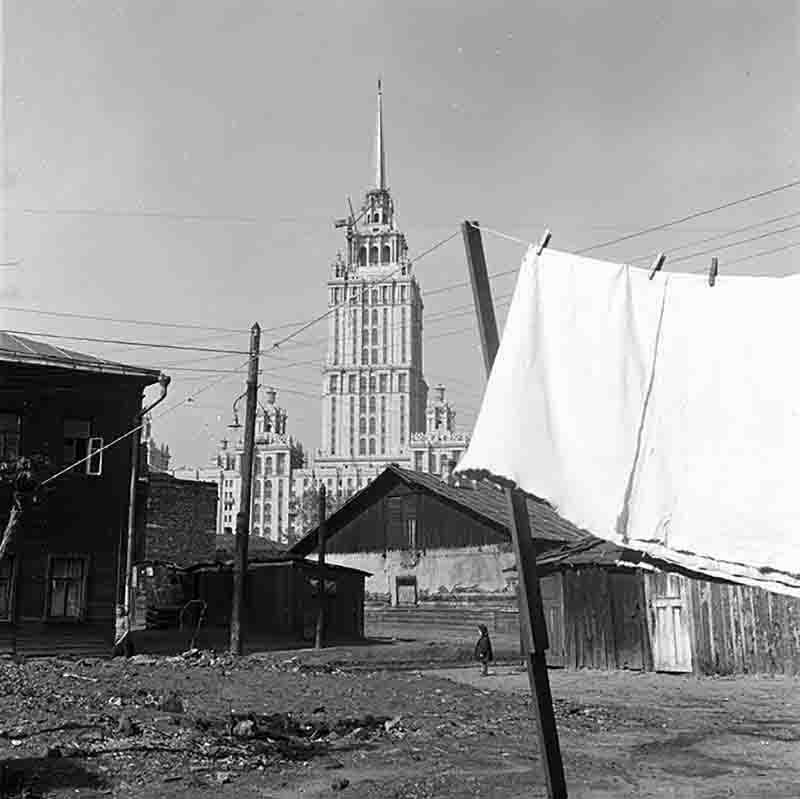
{"points": [[319, 640], [243, 516], [531, 611]]}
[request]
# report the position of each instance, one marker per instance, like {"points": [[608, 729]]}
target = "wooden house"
{"points": [[62, 575], [611, 607], [425, 540]]}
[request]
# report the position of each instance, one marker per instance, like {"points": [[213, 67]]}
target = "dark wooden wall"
{"points": [[382, 526], [281, 600], [80, 515]]}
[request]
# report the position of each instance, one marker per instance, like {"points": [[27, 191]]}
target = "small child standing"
{"points": [[483, 650]]}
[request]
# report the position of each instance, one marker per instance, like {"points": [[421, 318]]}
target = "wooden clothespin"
{"points": [[713, 272], [543, 242], [657, 264]]}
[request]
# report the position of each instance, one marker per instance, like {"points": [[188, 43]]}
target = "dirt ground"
{"points": [[389, 721]]}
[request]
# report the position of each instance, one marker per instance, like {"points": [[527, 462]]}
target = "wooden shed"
{"points": [[281, 597], [610, 607]]}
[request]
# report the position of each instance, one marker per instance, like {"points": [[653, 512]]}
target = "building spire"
{"points": [[380, 154]]}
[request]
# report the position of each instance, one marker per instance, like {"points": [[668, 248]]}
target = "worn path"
{"points": [[308, 726]]}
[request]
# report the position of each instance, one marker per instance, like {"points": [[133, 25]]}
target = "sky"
{"points": [[182, 163]]}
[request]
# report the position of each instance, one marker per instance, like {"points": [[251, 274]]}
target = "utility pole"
{"points": [[531, 613], [319, 640], [243, 516]]}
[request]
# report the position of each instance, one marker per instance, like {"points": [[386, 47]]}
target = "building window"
{"points": [[351, 384], [268, 466], [257, 488], [383, 443], [374, 338], [362, 425], [280, 463], [336, 336], [268, 488], [352, 424], [418, 461], [362, 384], [382, 381], [387, 254], [403, 293], [372, 446], [10, 424], [372, 429], [81, 445], [67, 587], [402, 419], [7, 588], [375, 355], [372, 400], [333, 384], [401, 383], [362, 256], [362, 404], [257, 468], [411, 533], [373, 255], [374, 299], [385, 293], [365, 355], [353, 328], [333, 425], [403, 325], [374, 318], [372, 384], [362, 446]]}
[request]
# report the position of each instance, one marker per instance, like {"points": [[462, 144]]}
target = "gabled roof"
{"points": [[22, 350], [481, 499]]}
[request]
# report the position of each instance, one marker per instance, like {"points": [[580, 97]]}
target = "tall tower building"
{"points": [[374, 394]]}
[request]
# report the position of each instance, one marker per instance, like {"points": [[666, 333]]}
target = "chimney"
{"points": [[447, 472]]}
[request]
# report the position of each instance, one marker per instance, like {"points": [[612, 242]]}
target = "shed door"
{"points": [[672, 646], [553, 605]]}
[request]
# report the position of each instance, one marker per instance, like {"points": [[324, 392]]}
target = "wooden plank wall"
{"points": [[604, 620], [739, 629]]}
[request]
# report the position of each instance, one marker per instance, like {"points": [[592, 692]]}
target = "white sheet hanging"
{"points": [[663, 413]]}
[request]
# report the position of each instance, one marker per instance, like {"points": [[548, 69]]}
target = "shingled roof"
{"points": [[479, 499], [19, 349]]}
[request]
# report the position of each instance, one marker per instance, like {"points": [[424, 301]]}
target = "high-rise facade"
{"points": [[374, 394]]}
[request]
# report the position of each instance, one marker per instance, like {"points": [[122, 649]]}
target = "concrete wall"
{"points": [[181, 520], [440, 573]]}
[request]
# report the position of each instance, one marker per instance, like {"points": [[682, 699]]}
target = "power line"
{"points": [[649, 256], [734, 244], [367, 285], [689, 217], [138, 427], [148, 345]]}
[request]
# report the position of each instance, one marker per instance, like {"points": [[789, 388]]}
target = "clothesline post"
{"points": [[531, 611]]}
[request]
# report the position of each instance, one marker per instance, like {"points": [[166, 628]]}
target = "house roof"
{"points": [[480, 499], [22, 350], [261, 561]]}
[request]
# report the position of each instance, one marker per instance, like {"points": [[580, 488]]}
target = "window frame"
{"points": [[12, 589], [84, 588], [17, 434]]}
